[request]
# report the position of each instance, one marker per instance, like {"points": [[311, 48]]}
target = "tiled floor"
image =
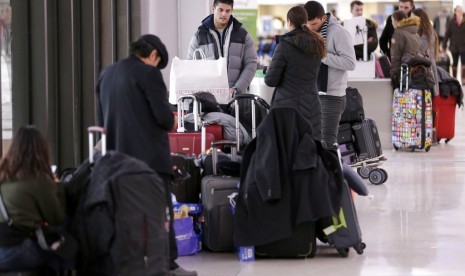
{"points": [[414, 224]]}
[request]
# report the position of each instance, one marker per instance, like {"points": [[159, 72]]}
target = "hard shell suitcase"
{"points": [[343, 231], [186, 184], [217, 214], [444, 117], [190, 142], [412, 116], [367, 142]]}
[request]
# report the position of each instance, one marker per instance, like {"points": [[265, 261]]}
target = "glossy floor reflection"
{"points": [[414, 224]]}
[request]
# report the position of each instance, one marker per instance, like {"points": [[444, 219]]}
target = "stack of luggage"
{"points": [[359, 141]]}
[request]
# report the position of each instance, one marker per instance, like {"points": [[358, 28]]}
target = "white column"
{"points": [[175, 22]]}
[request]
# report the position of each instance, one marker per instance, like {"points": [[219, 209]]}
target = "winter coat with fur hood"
{"points": [[404, 42]]}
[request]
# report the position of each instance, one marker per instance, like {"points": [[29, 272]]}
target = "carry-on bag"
{"points": [[186, 183], [249, 111], [367, 142], [217, 215], [412, 116], [344, 134], [343, 231], [444, 117], [353, 112]]}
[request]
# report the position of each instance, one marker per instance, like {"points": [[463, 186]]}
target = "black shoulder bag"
{"points": [[49, 238]]}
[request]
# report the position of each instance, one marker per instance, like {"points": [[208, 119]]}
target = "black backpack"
{"points": [[353, 111]]}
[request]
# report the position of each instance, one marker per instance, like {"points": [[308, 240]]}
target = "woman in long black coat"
{"points": [[294, 69]]}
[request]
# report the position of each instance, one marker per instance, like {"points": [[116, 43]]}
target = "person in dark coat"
{"points": [[456, 34], [133, 107], [385, 39], [294, 69]]}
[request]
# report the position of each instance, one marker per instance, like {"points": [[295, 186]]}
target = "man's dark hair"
{"points": [[411, 3], [353, 3], [227, 2], [314, 10], [141, 48]]}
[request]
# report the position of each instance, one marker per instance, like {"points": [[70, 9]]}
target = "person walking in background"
{"points": [[405, 41], [429, 44], [133, 106], [332, 77], [294, 69], [356, 8], [456, 34], [385, 40], [441, 23], [31, 196], [221, 35]]}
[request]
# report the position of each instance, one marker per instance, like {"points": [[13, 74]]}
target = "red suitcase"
{"points": [[444, 119], [191, 142]]}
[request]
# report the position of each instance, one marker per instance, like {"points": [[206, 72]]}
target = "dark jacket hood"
{"points": [[302, 40], [209, 24]]}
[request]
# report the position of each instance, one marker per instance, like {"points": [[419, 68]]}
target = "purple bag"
{"points": [[186, 238]]}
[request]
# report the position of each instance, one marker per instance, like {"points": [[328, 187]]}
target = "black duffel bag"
{"points": [[354, 107]]}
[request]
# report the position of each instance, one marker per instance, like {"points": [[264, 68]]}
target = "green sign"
{"points": [[248, 18]]}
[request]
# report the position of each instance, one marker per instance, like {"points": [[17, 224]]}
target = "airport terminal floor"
{"points": [[412, 225]]}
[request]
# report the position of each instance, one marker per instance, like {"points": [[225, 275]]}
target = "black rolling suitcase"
{"points": [[343, 231], [217, 214], [367, 140], [186, 184]]}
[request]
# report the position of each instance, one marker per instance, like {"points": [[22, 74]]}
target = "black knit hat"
{"points": [[157, 44]]}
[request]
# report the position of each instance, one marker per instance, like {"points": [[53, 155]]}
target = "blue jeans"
{"points": [[27, 255]]}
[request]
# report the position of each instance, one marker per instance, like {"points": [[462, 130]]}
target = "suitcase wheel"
{"points": [[343, 252], [360, 247], [364, 171], [376, 177], [447, 140], [385, 175]]}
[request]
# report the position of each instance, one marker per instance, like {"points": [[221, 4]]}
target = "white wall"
{"points": [[175, 22]]}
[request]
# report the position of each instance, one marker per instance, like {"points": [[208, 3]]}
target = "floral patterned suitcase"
{"points": [[412, 117]]}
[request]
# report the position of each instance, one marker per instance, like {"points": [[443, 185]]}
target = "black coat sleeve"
{"points": [[157, 96], [276, 68], [385, 39]]}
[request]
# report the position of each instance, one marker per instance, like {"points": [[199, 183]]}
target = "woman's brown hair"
{"points": [[27, 158], [298, 17], [426, 29]]}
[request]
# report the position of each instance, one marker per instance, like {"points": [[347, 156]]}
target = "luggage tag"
{"points": [[335, 226]]}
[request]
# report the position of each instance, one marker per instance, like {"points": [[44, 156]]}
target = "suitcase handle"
{"points": [[103, 140], [215, 153], [403, 70], [196, 112]]}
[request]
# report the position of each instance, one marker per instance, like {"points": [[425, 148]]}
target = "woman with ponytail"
{"points": [[294, 69]]}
